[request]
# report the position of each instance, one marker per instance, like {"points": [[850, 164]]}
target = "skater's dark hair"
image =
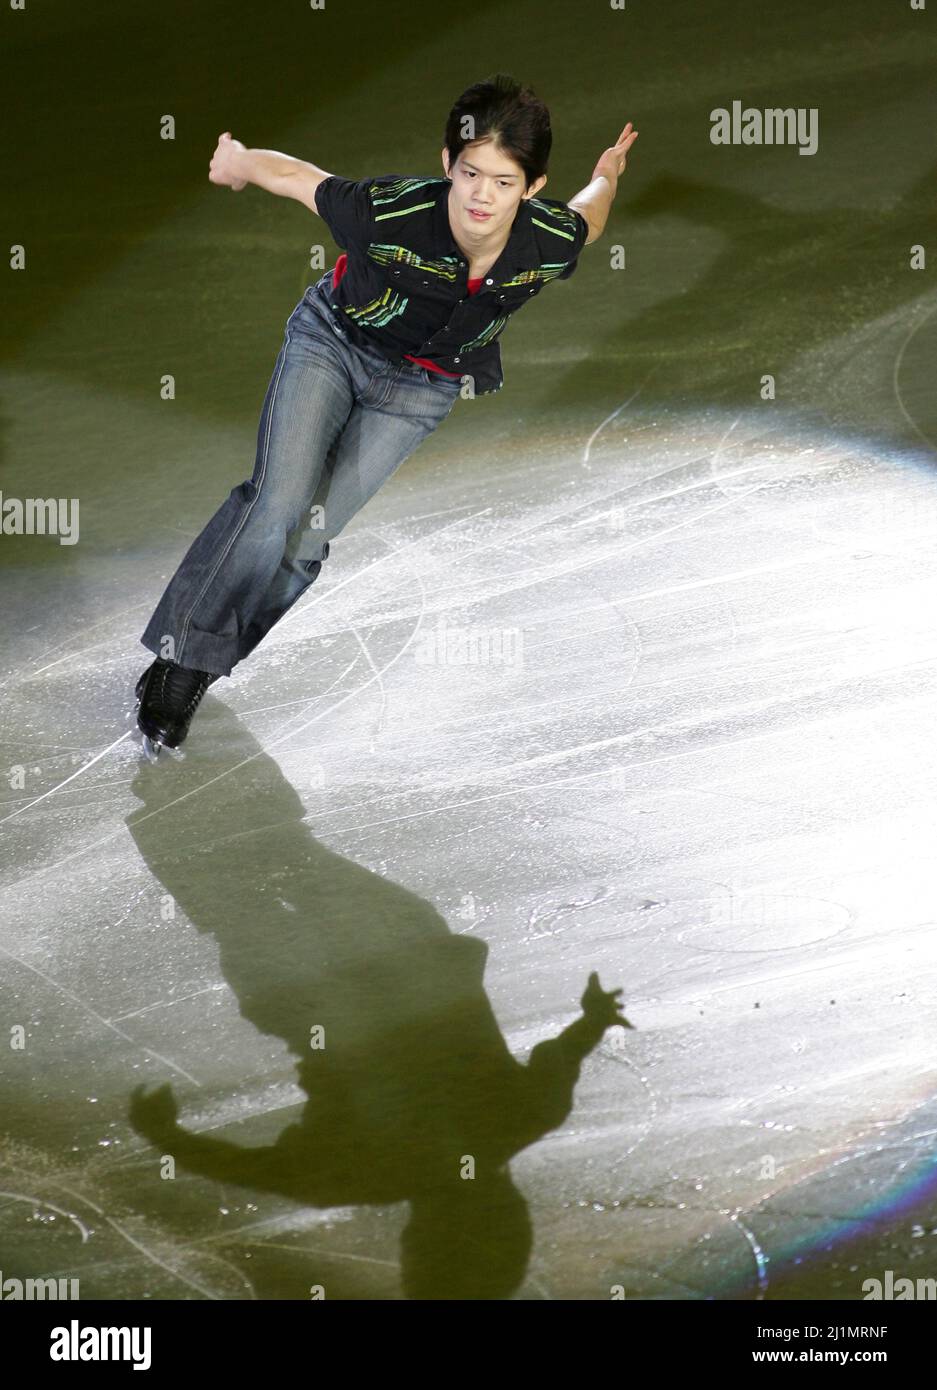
{"points": [[510, 115]]}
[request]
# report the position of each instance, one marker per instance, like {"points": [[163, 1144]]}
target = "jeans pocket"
{"points": [[312, 319], [334, 323]]}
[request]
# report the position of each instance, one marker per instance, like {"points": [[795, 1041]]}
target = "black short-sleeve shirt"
{"points": [[405, 286]]}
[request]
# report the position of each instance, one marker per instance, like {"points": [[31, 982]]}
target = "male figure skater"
{"points": [[373, 359]]}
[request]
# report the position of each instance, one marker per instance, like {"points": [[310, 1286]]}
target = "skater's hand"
{"points": [[222, 168], [602, 1006], [612, 161], [154, 1116]]}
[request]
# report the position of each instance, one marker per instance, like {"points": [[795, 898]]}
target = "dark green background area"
{"points": [[735, 254]]}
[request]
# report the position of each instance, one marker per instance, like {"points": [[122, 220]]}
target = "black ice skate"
{"points": [[167, 697]]}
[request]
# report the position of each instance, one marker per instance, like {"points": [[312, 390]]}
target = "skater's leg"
{"points": [[302, 559], [211, 600], [376, 441], [382, 431]]}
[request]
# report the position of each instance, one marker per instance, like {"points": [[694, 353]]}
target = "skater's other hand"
{"points": [[612, 162], [603, 1006], [153, 1116], [223, 166]]}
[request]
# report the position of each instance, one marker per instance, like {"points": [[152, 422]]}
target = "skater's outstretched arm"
{"points": [[595, 200], [558, 1059], [234, 166], [154, 1117]]}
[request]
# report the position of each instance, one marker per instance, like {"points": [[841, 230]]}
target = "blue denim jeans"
{"points": [[336, 422]]}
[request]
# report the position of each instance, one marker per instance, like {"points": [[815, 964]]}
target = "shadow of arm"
{"points": [[262, 1167]]}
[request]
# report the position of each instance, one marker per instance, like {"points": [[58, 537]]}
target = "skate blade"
{"points": [[152, 748]]}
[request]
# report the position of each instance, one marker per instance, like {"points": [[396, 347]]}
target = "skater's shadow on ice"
{"points": [[413, 1093]]}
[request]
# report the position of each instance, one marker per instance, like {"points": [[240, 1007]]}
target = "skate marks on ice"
{"points": [[659, 1222], [60, 785], [412, 1079], [66, 1219], [610, 525], [377, 675], [291, 727], [909, 381], [858, 1214], [746, 485], [295, 725]]}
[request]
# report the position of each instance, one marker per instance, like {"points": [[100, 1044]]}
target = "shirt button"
{"points": [[489, 282], [457, 359]]}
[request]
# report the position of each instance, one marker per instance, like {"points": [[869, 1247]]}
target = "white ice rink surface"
{"points": [[703, 767]]}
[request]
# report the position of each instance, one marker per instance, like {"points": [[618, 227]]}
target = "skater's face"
{"points": [[486, 181]]}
